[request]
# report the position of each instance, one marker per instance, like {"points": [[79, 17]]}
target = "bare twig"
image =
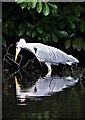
{"points": [[9, 47], [15, 72], [21, 59], [28, 62], [13, 61], [7, 61], [5, 47], [6, 55], [24, 70]]}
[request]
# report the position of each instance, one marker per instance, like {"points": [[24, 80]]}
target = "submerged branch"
{"points": [[28, 62]]}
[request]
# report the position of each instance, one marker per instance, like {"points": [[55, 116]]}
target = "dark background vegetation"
{"points": [[58, 24]]}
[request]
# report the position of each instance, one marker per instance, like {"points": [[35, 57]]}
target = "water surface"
{"points": [[44, 97]]}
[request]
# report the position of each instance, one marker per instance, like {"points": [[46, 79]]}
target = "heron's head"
{"points": [[19, 45]]}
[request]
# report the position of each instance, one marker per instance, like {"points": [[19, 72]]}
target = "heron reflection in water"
{"points": [[44, 86], [46, 54]]}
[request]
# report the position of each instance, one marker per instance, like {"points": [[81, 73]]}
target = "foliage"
{"points": [[46, 22], [38, 4]]}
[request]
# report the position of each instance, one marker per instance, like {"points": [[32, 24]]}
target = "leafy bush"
{"points": [[47, 22]]}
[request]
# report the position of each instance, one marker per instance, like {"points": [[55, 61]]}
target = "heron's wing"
{"points": [[52, 55]]}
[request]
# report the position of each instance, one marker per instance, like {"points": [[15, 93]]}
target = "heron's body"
{"points": [[47, 54]]}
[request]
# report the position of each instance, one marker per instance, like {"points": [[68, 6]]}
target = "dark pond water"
{"points": [[28, 92], [42, 97]]}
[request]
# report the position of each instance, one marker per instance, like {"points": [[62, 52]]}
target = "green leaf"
{"points": [[83, 46], [29, 5], [62, 34], [44, 40], [82, 26], [39, 37], [29, 32], [78, 43], [19, 1], [62, 23], [48, 35], [46, 10], [74, 44], [71, 25], [23, 5], [53, 5], [19, 32], [21, 29], [34, 33], [39, 6], [54, 13], [72, 35], [54, 38], [40, 30], [72, 19], [33, 3], [67, 43], [30, 26], [76, 11]]}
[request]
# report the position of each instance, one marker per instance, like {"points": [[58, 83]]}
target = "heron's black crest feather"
{"points": [[35, 49]]}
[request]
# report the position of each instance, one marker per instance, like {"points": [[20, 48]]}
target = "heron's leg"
{"points": [[49, 69]]}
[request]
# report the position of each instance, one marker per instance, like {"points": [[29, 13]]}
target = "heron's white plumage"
{"points": [[47, 54]]}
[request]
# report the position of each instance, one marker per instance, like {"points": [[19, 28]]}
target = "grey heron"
{"points": [[44, 53]]}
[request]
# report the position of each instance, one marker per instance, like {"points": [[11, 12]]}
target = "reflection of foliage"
{"points": [[60, 21]]}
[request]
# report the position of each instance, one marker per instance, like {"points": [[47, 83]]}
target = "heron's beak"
{"points": [[17, 52], [16, 83]]}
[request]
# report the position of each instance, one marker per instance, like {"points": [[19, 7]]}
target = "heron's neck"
{"points": [[29, 46]]}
